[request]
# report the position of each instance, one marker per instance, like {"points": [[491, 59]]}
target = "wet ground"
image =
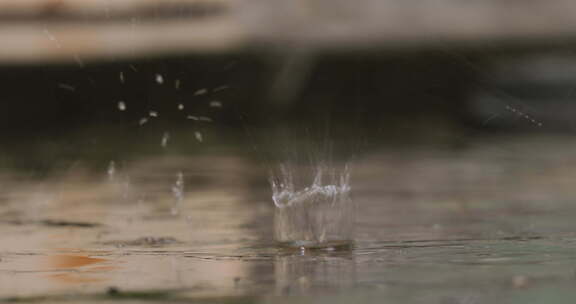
{"points": [[488, 222]]}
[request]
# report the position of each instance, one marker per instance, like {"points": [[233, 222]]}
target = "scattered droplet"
{"points": [[178, 192], [523, 115], [78, 60], [177, 84], [159, 79], [153, 114], [52, 38], [198, 136], [111, 170], [121, 106], [199, 118], [180, 107], [221, 88], [66, 87], [200, 92], [143, 120], [121, 77], [216, 104], [165, 138]]}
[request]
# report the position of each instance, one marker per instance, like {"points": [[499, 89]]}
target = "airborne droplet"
{"points": [[200, 92], [198, 136], [66, 86], [159, 79], [165, 138], [216, 104]]}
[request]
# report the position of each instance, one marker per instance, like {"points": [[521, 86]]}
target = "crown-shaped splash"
{"points": [[315, 214]]}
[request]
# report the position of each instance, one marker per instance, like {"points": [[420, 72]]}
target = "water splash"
{"points": [[165, 138], [178, 192], [111, 171], [119, 180], [318, 215]]}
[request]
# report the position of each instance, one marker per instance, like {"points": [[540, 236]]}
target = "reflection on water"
{"points": [[492, 222], [78, 269], [307, 274], [72, 261]]}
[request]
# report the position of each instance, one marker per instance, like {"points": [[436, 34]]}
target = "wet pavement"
{"points": [[491, 222]]}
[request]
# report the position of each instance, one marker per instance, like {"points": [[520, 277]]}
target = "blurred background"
{"points": [[136, 139], [388, 67]]}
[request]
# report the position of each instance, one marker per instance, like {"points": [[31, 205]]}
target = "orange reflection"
{"points": [[86, 269], [73, 261]]}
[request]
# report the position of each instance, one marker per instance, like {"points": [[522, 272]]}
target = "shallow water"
{"points": [[491, 222]]}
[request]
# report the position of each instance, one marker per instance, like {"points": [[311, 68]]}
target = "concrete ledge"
{"points": [[50, 30]]}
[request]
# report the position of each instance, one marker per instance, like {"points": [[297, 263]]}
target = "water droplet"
{"points": [[121, 77], [165, 138], [180, 107], [216, 104], [198, 136], [200, 92], [78, 60], [199, 118], [143, 120], [121, 106], [52, 38], [523, 115], [111, 170], [159, 79], [178, 192], [177, 84], [221, 88], [153, 114], [66, 86]]}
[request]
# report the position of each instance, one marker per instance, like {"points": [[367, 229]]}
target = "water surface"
{"points": [[489, 222]]}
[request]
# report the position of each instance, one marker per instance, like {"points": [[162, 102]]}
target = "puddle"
{"points": [[483, 229], [145, 242]]}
